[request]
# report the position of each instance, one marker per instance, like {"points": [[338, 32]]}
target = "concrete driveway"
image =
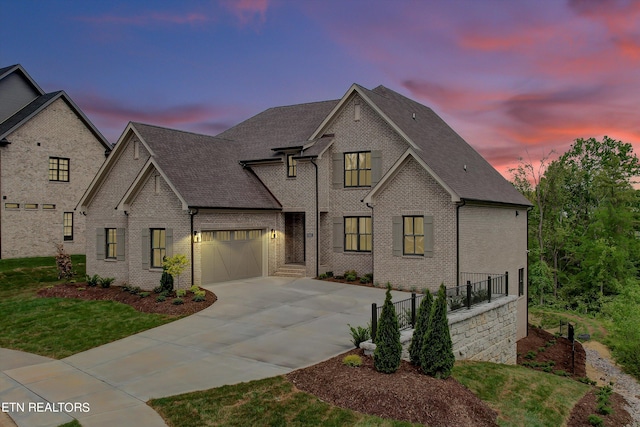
{"points": [[258, 328]]}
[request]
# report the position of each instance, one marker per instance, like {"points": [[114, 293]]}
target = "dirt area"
{"points": [[147, 304], [406, 395], [547, 347]]}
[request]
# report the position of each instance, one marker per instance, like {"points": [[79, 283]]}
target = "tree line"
{"points": [[584, 229]]}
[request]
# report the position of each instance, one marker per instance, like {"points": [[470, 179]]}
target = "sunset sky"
{"points": [[514, 78]]}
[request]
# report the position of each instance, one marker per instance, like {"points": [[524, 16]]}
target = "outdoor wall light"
{"points": [[273, 233], [197, 237]]}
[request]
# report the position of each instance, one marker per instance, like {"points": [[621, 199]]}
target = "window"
{"points": [[12, 205], [58, 169], [357, 234], [67, 226], [241, 235], [357, 169], [521, 281], [111, 249], [31, 206], [413, 232], [292, 166], [48, 206], [158, 246]]}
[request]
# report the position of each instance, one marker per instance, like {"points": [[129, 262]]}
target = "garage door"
{"points": [[231, 255]]}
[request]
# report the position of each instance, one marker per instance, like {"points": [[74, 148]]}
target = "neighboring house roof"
{"points": [[38, 104]]}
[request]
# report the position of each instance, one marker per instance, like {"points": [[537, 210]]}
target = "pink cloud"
{"points": [[248, 11]]}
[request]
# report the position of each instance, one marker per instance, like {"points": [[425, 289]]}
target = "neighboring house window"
{"points": [[357, 169], [58, 169], [12, 205], [357, 234], [292, 166], [158, 246], [111, 249], [521, 282], [31, 206], [48, 206], [67, 225], [413, 232]]}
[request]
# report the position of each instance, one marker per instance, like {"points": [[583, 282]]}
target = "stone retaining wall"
{"points": [[486, 332]]}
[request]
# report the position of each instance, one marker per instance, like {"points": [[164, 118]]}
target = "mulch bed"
{"points": [[560, 353], [116, 293], [406, 395]]}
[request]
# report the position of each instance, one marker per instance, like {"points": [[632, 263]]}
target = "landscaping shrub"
{"points": [[323, 276], [352, 360], [386, 357], [161, 298], [199, 296], [93, 280], [144, 294], [359, 334], [106, 282], [596, 421], [181, 293], [166, 281], [178, 301], [194, 289], [63, 262], [350, 275], [422, 325], [436, 357], [175, 265]]}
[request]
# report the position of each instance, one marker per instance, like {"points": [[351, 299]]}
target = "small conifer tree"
{"points": [[422, 324], [436, 357], [388, 352]]}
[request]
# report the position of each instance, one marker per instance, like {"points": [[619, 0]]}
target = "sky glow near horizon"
{"points": [[513, 78]]}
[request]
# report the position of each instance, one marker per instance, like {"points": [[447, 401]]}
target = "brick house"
{"points": [[374, 182], [49, 152]]}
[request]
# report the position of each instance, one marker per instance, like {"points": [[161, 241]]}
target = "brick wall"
{"points": [[54, 132], [412, 191], [494, 240]]}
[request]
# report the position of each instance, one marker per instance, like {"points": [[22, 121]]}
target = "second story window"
{"points": [[357, 169], [58, 169], [292, 166]]}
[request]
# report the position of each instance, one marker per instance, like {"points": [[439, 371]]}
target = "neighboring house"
{"points": [[373, 182], [49, 152]]}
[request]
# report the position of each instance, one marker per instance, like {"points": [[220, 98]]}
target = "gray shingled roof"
{"points": [[278, 127], [205, 169], [444, 151], [30, 109]]}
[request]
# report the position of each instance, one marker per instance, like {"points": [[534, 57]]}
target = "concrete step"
{"points": [[291, 271]]}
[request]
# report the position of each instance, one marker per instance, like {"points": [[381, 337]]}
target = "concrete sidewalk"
{"points": [[258, 328]]}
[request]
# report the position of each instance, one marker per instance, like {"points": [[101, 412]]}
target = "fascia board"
{"points": [[397, 166]]}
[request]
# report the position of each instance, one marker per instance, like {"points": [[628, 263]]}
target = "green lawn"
{"points": [[272, 401], [521, 397], [58, 327]]}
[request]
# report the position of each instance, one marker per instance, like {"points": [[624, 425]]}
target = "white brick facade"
{"points": [[55, 131]]}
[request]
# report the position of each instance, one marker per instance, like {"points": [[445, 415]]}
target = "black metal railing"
{"points": [[479, 288]]}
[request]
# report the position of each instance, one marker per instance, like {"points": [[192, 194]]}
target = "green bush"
{"points": [[436, 357], [181, 293], [106, 282], [194, 289], [596, 421], [199, 296], [157, 290], [134, 290], [422, 325], [178, 301], [166, 281], [93, 280], [323, 276], [144, 294], [352, 360], [161, 298], [365, 280], [350, 277], [386, 357], [329, 273], [530, 355], [359, 335]]}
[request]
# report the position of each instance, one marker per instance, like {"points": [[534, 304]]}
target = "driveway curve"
{"points": [[258, 328]]}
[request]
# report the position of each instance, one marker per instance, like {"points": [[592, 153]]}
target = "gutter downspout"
{"points": [[317, 221], [458, 241], [192, 213]]}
